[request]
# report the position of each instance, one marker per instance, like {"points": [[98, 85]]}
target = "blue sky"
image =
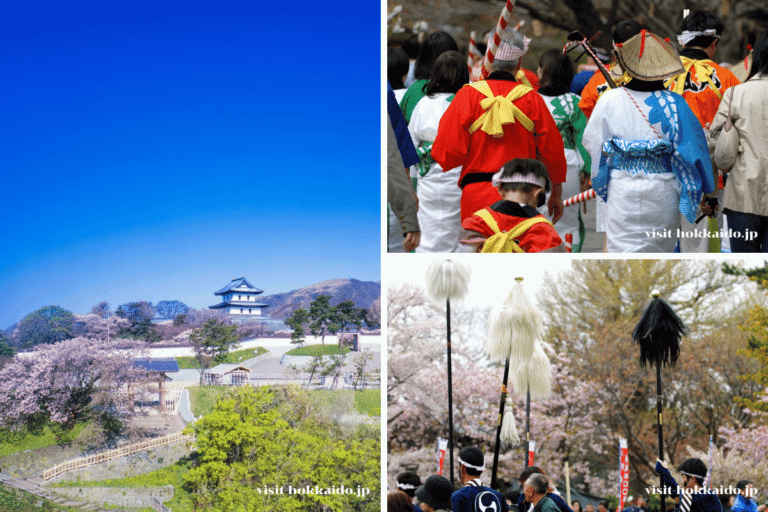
{"points": [[155, 152]]}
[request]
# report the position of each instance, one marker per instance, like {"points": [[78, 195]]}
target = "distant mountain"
{"points": [[282, 305]]}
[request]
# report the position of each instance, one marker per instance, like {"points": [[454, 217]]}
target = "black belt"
{"points": [[476, 177]]}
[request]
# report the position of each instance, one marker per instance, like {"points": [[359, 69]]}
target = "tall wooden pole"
{"points": [[496, 450], [450, 386]]}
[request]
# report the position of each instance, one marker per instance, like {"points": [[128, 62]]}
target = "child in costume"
{"points": [[513, 224]]}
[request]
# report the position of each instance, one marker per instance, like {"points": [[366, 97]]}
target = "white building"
{"points": [[240, 298]]}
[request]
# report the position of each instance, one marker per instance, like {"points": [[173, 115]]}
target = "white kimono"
{"points": [[649, 163], [570, 121], [438, 192]]}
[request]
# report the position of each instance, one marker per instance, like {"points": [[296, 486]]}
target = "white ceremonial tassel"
{"points": [[447, 279], [513, 328], [508, 427], [537, 375]]}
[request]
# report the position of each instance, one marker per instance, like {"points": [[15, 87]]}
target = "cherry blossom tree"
{"points": [[66, 382]]}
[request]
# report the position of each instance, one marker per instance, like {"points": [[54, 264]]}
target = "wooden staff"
{"points": [[576, 39]]}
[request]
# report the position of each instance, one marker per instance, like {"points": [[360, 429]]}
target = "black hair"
{"points": [[530, 470], [626, 30], [411, 478], [436, 43], [397, 66], [759, 55], [525, 166], [699, 21], [449, 74], [471, 455], [411, 47], [694, 467], [556, 72], [742, 484]]}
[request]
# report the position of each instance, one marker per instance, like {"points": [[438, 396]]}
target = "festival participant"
{"points": [[436, 44], [438, 192], [494, 121], [435, 494], [703, 84], [586, 71], [524, 76], [746, 197], [694, 496], [398, 502], [535, 491], [743, 501], [649, 153], [397, 67], [597, 85], [595, 88], [525, 506], [513, 224], [474, 496], [556, 72], [408, 482], [403, 228]]}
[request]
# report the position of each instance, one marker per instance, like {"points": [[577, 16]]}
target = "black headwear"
{"points": [[436, 492]]}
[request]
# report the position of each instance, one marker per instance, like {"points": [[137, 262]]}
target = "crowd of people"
{"points": [[534, 492], [483, 164]]}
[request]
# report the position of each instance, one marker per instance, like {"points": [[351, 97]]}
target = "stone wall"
{"points": [[135, 497]]}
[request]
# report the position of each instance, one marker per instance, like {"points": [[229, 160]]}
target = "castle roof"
{"points": [[239, 284]]}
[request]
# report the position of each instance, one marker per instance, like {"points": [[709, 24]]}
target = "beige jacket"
{"points": [[746, 190]]}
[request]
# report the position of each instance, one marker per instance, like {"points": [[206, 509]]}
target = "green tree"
{"points": [[47, 325], [211, 343], [264, 439], [313, 366], [297, 321], [322, 317], [360, 363], [333, 368]]}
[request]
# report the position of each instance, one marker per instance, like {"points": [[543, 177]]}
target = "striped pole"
{"points": [[473, 54], [490, 54], [569, 242], [580, 198]]}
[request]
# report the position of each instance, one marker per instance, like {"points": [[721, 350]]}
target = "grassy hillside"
{"points": [[317, 350], [190, 363]]}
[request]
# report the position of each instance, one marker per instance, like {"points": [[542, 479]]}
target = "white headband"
{"points": [[405, 486], [687, 36], [508, 52], [497, 180], [691, 474], [478, 468]]}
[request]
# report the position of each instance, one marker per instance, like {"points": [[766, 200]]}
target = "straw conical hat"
{"points": [[741, 68], [648, 57]]}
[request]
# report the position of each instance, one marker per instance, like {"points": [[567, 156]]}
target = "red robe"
{"points": [[539, 237], [481, 155]]}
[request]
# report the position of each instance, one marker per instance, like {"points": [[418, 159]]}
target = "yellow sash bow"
{"points": [[505, 241], [703, 70], [499, 110]]}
